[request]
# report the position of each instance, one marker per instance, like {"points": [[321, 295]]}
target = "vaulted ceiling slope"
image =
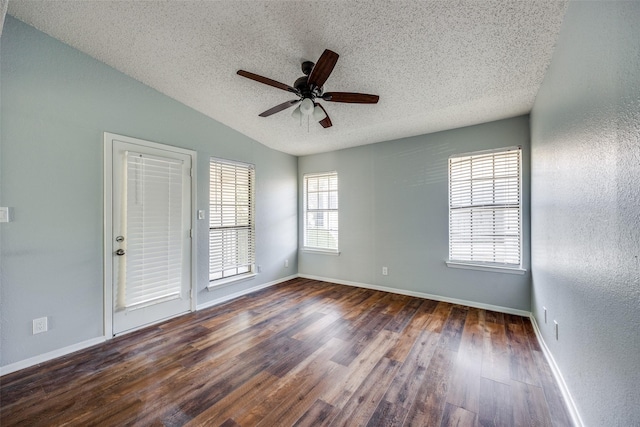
{"points": [[435, 64]]}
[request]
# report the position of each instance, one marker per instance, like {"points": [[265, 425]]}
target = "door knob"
{"points": [[120, 252]]}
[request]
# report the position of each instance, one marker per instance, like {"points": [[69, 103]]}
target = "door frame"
{"points": [[108, 222]]}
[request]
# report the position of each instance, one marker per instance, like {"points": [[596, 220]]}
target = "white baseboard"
{"points": [[474, 304], [571, 406], [45, 357], [244, 292]]}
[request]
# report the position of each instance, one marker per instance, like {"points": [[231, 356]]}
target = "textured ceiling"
{"points": [[435, 64]]}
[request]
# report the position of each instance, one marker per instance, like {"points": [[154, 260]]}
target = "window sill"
{"points": [[484, 267], [219, 283], [321, 251]]}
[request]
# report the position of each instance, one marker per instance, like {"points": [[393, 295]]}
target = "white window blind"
{"points": [[321, 211], [485, 221], [231, 223], [153, 222]]}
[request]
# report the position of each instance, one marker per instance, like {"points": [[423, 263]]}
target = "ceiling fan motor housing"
{"points": [[305, 90]]}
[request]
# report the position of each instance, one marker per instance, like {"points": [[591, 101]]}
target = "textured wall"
{"points": [[585, 209], [394, 213], [56, 104]]}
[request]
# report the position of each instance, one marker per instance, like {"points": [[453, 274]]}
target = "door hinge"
{"points": [[191, 233]]}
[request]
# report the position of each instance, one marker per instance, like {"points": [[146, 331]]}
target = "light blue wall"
{"points": [[56, 102], [586, 209], [394, 213]]}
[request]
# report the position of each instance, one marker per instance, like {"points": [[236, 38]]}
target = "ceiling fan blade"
{"points": [[323, 68], [350, 97], [326, 122], [279, 108], [266, 81]]}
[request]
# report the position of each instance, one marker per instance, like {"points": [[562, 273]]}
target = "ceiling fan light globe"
{"points": [[318, 114], [306, 107], [296, 114]]}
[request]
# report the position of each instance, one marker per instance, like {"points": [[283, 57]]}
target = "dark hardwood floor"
{"points": [[303, 353]]}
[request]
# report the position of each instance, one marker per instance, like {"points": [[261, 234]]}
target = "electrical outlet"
{"points": [[385, 271], [555, 324], [6, 214], [286, 263], [39, 325], [259, 269], [545, 313]]}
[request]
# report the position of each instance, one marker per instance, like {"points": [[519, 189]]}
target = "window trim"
{"points": [[223, 281], [316, 249], [483, 265]]}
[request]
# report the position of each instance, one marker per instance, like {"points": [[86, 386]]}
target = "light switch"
{"points": [[6, 214], [201, 214]]}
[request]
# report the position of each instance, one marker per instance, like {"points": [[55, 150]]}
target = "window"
{"points": [[231, 223], [321, 211], [485, 204]]}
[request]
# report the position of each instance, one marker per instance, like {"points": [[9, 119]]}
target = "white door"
{"points": [[150, 233]]}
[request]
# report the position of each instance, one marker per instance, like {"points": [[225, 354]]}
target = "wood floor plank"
{"points": [[455, 416], [249, 393], [404, 387], [529, 406], [438, 317], [387, 415], [494, 317], [320, 413], [522, 365], [301, 397], [495, 404], [415, 326], [464, 387], [303, 352], [495, 356], [401, 319], [313, 329], [557, 408], [531, 335], [364, 401], [360, 340], [361, 366], [452, 330], [428, 406], [316, 366]]}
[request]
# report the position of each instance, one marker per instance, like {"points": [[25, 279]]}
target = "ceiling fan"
{"points": [[309, 89]]}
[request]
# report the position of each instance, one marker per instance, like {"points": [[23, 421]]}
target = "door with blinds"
{"points": [[151, 233]]}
